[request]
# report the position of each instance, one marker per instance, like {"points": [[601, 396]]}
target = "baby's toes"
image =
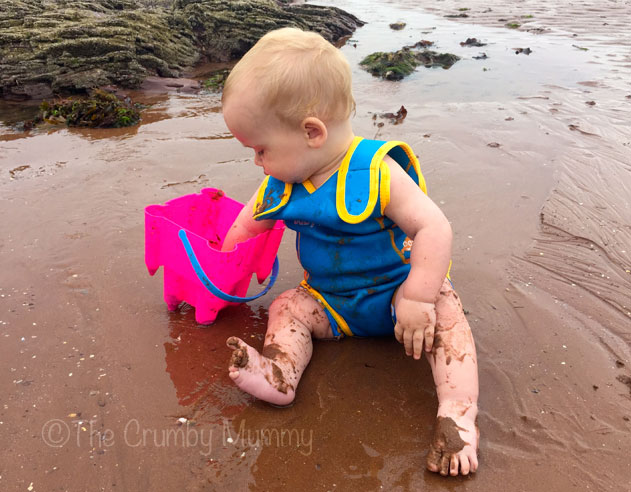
{"points": [[445, 461], [239, 356], [473, 462], [455, 465], [464, 466], [234, 342], [432, 466]]}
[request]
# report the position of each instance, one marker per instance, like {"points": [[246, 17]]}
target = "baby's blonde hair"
{"points": [[297, 74]]}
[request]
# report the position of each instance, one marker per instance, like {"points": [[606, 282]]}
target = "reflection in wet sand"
{"points": [[541, 260]]}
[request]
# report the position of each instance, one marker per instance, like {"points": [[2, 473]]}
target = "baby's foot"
{"points": [[454, 447], [258, 375]]}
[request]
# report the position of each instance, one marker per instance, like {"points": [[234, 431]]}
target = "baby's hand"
{"points": [[415, 326]]}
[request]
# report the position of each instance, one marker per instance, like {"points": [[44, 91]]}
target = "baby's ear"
{"points": [[315, 132]]}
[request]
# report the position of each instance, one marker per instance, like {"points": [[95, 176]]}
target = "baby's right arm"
{"points": [[245, 227]]}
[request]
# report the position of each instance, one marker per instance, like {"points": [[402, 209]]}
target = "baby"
{"points": [[375, 249]]}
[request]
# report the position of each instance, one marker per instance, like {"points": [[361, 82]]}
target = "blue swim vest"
{"points": [[354, 257]]}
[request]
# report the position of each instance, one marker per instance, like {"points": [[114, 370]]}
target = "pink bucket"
{"points": [[205, 219]]}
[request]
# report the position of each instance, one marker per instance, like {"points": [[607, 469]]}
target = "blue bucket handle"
{"points": [[212, 287]]}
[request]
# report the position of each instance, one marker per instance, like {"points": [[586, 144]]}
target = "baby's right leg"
{"points": [[273, 375]]}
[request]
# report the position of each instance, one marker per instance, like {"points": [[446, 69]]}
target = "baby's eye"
{"points": [[260, 153]]}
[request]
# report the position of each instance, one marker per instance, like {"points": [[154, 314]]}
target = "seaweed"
{"points": [[399, 64], [100, 110], [216, 80]]}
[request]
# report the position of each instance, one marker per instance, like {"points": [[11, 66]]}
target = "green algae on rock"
{"points": [[71, 46], [399, 64], [216, 80], [100, 110]]}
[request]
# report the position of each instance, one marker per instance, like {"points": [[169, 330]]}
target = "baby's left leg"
{"points": [[454, 447], [273, 374]]}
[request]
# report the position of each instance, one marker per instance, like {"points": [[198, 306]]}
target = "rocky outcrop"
{"points": [[70, 46], [399, 64]]}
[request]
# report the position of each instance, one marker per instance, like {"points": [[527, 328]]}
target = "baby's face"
{"points": [[282, 152]]}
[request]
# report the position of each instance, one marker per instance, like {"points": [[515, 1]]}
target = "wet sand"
{"points": [[97, 372]]}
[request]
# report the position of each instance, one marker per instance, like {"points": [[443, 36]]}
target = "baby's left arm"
{"points": [[424, 223]]}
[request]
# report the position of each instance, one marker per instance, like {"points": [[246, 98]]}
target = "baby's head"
{"points": [[296, 74]]}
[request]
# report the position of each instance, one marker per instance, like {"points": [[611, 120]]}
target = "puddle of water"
{"points": [[14, 113]]}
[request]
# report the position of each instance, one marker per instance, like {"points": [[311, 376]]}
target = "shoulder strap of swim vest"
{"points": [[272, 196], [364, 179]]}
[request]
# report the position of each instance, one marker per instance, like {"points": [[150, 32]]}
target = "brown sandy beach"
{"points": [[97, 372]]}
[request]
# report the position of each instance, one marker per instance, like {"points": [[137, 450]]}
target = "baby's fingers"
{"points": [[408, 341], [398, 332], [429, 337], [418, 344]]}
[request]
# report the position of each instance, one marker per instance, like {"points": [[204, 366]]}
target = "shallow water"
{"points": [[503, 76], [541, 256]]}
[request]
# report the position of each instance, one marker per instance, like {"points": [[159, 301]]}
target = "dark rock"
{"points": [[472, 42], [72, 46], [398, 117], [397, 65], [423, 43]]}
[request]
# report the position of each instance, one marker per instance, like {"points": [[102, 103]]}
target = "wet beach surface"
{"points": [[531, 161]]}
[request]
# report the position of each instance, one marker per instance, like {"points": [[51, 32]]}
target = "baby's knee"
{"points": [[296, 303], [448, 306], [290, 299]]}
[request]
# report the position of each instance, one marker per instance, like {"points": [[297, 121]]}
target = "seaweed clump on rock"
{"points": [[399, 64], [72, 46], [216, 80], [100, 110]]}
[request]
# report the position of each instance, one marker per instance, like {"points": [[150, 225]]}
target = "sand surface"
{"points": [[96, 371]]}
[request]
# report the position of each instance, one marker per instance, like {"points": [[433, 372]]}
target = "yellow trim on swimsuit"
{"points": [[308, 186], [341, 323], [384, 191], [257, 212], [376, 188], [340, 195], [388, 146]]}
